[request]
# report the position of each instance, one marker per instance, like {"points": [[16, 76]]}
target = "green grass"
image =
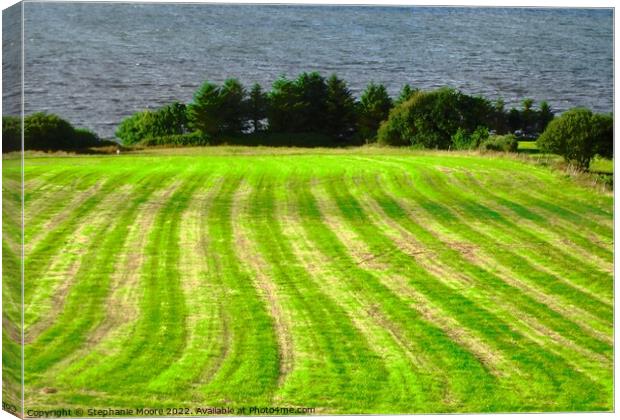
{"points": [[528, 146], [601, 165], [354, 281]]}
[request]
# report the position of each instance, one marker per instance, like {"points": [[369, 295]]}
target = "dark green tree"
{"points": [[284, 106], [340, 108], [217, 110], [298, 106], [373, 108], [528, 119], [256, 107], [433, 119], [604, 133], [578, 135], [203, 112], [172, 118], [232, 112], [514, 120], [11, 133], [405, 93], [313, 92], [499, 118], [545, 115]]}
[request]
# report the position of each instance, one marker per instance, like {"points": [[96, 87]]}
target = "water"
{"points": [[95, 64]]}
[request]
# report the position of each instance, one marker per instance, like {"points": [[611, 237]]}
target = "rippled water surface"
{"points": [[95, 64]]}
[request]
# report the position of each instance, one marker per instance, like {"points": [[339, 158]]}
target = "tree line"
{"points": [[312, 110], [326, 108]]}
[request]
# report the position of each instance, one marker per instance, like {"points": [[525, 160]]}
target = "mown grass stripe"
{"points": [[453, 258], [339, 365], [537, 222], [402, 362], [208, 335], [551, 383], [482, 286], [249, 369], [582, 207], [38, 259], [159, 335], [476, 190], [121, 306], [570, 271], [11, 286], [425, 339], [53, 285], [255, 263], [421, 177], [56, 207], [83, 306], [549, 282]]}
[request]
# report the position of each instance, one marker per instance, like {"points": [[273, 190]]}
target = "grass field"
{"points": [[364, 281]]}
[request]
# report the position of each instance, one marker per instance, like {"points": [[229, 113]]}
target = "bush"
{"points": [[462, 140], [171, 119], [11, 134], [507, 143], [47, 132], [604, 135], [578, 135], [430, 119], [189, 139], [83, 137]]}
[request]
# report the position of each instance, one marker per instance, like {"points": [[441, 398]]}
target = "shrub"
{"points": [[396, 130], [11, 134], [373, 108], [171, 119], [578, 135], [195, 138], [83, 137], [430, 119], [604, 135], [462, 140], [507, 143], [47, 132]]}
